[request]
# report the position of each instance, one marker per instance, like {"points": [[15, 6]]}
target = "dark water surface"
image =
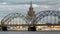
{"points": [[29, 32]]}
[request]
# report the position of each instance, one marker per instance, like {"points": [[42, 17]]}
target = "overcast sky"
{"points": [[21, 6]]}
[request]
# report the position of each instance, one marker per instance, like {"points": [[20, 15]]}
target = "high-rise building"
{"points": [[31, 12]]}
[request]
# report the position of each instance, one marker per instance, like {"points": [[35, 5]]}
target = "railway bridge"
{"points": [[17, 20]]}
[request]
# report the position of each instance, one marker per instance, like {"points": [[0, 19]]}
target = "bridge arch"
{"points": [[43, 14], [10, 17]]}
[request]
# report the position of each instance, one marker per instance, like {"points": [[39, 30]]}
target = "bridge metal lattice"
{"points": [[39, 16], [7, 19], [43, 14]]}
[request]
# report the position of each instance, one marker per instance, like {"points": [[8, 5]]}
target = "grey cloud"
{"points": [[49, 2]]}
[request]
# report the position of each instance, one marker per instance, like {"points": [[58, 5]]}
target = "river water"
{"points": [[29, 32]]}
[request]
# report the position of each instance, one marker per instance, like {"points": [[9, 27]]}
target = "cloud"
{"points": [[3, 3], [28, 1], [44, 6], [58, 9], [14, 7], [34, 5]]}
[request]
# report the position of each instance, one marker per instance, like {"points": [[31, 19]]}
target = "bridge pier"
{"points": [[4, 28], [32, 28]]}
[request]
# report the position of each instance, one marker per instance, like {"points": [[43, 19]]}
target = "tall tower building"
{"points": [[31, 12]]}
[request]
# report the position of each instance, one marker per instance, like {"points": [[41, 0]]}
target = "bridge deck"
{"points": [[35, 25]]}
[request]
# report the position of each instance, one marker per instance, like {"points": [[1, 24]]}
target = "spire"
{"points": [[31, 4], [31, 12]]}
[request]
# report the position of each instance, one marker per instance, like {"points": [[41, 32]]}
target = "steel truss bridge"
{"points": [[7, 20]]}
